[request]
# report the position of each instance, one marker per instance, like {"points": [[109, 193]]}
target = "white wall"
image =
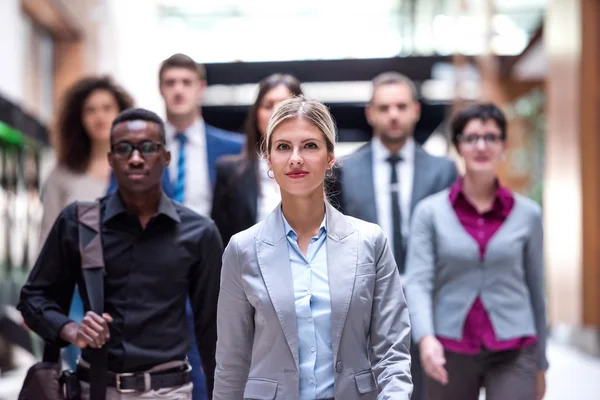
{"points": [[133, 45], [12, 48]]}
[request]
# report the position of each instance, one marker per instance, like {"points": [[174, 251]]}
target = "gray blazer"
{"points": [[445, 273], [257, 346], [357, 198], [432, 174]]}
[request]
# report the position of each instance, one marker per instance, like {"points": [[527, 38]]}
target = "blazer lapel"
{"points": [[358, 187], [342, 255], [274, 262], [212, 152]]}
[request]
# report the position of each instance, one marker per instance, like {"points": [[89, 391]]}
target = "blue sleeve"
{"points": [[112, 184], [166, 183]]}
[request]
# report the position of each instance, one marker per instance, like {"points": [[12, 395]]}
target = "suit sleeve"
{"points": [[534, 276], [451, 174], [390, 328], [235, 326], [203, 293], [420, 266]]}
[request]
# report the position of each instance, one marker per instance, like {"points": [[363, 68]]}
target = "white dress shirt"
{"points": [[382, 175], [198, 190], [269, 195]]}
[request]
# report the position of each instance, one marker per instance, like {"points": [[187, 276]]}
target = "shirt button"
{"points": [[308, 293], [309, 319], [312, 380], [312, 349], [481, 234]]}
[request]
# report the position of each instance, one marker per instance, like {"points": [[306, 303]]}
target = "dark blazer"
{"points": [[357, 199], [218, 143], [432, 174], [235, 196]]}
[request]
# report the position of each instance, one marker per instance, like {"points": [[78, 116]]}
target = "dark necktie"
{"points": [[179, 186], [396, 215]]}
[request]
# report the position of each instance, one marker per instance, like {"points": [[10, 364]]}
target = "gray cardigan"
{"points": [[445, 273]]}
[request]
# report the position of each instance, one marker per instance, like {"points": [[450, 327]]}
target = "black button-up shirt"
{"points": [[149, 274]]}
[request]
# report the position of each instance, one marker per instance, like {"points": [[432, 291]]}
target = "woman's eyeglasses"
{"points": [[472, 139], [146, 148]]}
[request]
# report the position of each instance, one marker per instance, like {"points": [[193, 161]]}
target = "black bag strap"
{"points": [[51, 353], [92, 265]]}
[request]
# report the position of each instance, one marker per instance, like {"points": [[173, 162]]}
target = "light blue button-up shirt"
{"points": [[313, 314]]}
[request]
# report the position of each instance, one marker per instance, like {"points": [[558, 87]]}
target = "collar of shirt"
{"points": [[195, 132], [503, 202], [381, 153], [293, 235], [114, 207]]}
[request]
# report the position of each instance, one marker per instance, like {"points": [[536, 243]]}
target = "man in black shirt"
{"points": [[156, 253]]}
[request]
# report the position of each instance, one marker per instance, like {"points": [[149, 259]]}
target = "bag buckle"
{"points": [[118, 382]]}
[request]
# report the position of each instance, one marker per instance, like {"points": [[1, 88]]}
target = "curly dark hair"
{"points": [[482, 111], [74, 145]]}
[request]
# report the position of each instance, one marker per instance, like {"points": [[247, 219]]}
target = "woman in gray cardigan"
{"points": [[475, 276]]}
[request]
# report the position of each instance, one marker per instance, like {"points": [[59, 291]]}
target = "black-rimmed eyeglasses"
{"points": [[147, 148], [472, 139]]}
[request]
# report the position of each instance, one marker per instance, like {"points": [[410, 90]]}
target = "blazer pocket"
{"points": [[365, 382], [260, 389], [365, 269]]}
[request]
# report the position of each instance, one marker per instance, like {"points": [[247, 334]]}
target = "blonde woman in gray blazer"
{"points": [[311, 305], [475, 276]]}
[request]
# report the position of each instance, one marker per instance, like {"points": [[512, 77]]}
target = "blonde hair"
{"points": [[311, 111]]}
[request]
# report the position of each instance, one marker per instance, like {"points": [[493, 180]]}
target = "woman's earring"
{"points": [[270, 175], [329, 173]]}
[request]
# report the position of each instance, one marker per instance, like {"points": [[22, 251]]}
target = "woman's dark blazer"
{"points": [[235, 195]]}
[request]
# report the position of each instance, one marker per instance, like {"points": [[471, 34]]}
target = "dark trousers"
{"points": [[198, 377], [418, 376], [504, 375]]}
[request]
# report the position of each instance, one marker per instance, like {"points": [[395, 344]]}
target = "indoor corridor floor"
{"points": [[573, 375]]}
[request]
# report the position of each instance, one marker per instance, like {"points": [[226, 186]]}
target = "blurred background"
{"points": [[538, 59]]}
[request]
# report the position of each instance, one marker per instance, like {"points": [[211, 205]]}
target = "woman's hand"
{"points": [[432, 358], [541, 385]]}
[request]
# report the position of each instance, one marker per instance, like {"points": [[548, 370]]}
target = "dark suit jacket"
{"points": [[218, 143], [235, 196], [357, 199]]}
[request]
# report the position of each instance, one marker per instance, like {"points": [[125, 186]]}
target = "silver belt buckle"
{"points": [[118, 383]]}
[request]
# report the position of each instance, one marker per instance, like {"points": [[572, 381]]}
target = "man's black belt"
{"points": [[143, 381]]}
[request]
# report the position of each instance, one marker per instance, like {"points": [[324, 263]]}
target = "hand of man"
{"points": [[432, 359], [92, 332], [541, 385]]}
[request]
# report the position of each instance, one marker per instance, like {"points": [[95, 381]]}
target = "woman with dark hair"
{"points": [[83, 142], [475, 276], [244, 193]]}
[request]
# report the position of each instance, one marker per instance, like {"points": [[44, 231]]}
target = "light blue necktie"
{"points": [[179, 186]]}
